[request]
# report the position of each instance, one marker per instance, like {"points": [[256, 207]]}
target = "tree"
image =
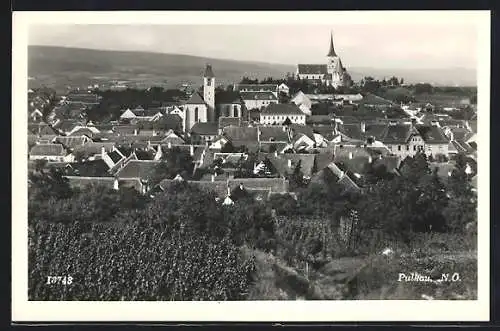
{"points": [[424, 88]]}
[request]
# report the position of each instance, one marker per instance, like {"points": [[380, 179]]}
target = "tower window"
{"points": [[209, 81], [196, 119]]}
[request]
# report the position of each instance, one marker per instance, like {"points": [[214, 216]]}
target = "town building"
{"points": [[333, 73], [277, 114]]}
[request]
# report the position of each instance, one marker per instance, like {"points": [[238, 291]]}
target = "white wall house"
{"points": [[276, 114], [258, 100]]}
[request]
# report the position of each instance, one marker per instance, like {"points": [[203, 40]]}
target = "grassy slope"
{"points": [[74, 64], [374, 277]]}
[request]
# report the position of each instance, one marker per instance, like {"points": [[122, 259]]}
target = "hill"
{"points": [[61, 66]]}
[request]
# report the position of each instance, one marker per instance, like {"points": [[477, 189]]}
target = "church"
{"points": [[333, 73]]}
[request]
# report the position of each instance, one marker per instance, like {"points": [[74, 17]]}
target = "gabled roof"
{"points": [[258, 96], [209, 128], [241, 134], [93, 148], [137, 169], [281, 162], [282, 109], [256, 87], [432, 134], [48, 150], [71, 141], [398, 134], [312, 69], [195, 99], [96, 168], [273, 133], [229, 121], [227, 97]]}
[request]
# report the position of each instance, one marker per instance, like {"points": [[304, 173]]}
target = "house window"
{"points": [[414, 148], [228, 109], [399, 147], [196, 119], [235, 111], [407, 147]]}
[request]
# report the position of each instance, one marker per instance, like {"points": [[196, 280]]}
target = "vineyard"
{"points": [[133, 263]]}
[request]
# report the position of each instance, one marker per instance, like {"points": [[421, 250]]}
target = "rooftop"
{"points": [[282, 109]]}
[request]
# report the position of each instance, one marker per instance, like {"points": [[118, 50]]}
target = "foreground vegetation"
{"points": [[183, 245]]}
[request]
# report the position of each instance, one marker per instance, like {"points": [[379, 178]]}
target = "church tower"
{"points": [[209, 92], [334, 66]]}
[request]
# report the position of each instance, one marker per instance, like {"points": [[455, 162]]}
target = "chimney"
{"points": [[103, 152], [370, 159], [289, 163], [276, 153], [115, 184], [350, 155], [191, 150], [363, 127], [135, 132], [213, 178]]}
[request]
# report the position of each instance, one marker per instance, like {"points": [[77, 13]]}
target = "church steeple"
{"points": [[331, 52]]}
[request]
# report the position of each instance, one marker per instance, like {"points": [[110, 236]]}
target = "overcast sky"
{"points": [[382, 46]]}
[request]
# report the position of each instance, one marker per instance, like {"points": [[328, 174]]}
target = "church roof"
{"points": [[208, 71], [312, 69], [195, 99], [227, 97], [331, 52]]}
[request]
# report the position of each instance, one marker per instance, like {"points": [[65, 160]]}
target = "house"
{"points": [[136, 174], [258, 100], [89, 131], [172, 138], [273, 88], [277, 114], [93, 150], [283, 88], [408, 139], [242, 136], [229, 104], [285, 163], [303, 102], [268, 134], [36, 115], [371, 100], [71, 142], [204, 132], [333, 173], [49, 152], [141, 115]]}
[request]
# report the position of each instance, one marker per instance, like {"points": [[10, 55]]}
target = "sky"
{"points": [[404, 46]]}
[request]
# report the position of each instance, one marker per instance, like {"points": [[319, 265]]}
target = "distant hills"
{"points": [[62, 66]]}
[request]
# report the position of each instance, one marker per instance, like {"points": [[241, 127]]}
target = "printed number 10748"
{"points": [[59, 280]]}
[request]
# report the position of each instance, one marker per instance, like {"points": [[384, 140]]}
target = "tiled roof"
{"points": [[312, 69], [81, 182], [273, 133], [48, 150], [209, 128], [258, 96], [298, 129], [242, 134], [359, 161], [92, 148], [276, 185], [282, 109], [281, 162], [432, 134], [461, 134], [257, 87], [324, 158], [82, 131], [115, 156], [125, 129], [137, 169], [398, 134], [70, 141], [229, 121], [97, 168], [195, 99], [227, 97]]}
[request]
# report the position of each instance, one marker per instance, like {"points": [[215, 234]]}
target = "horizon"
{"points": [[442, 46]]}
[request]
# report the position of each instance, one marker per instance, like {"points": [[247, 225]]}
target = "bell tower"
{"points": [[331, 65], [209, 92]]}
